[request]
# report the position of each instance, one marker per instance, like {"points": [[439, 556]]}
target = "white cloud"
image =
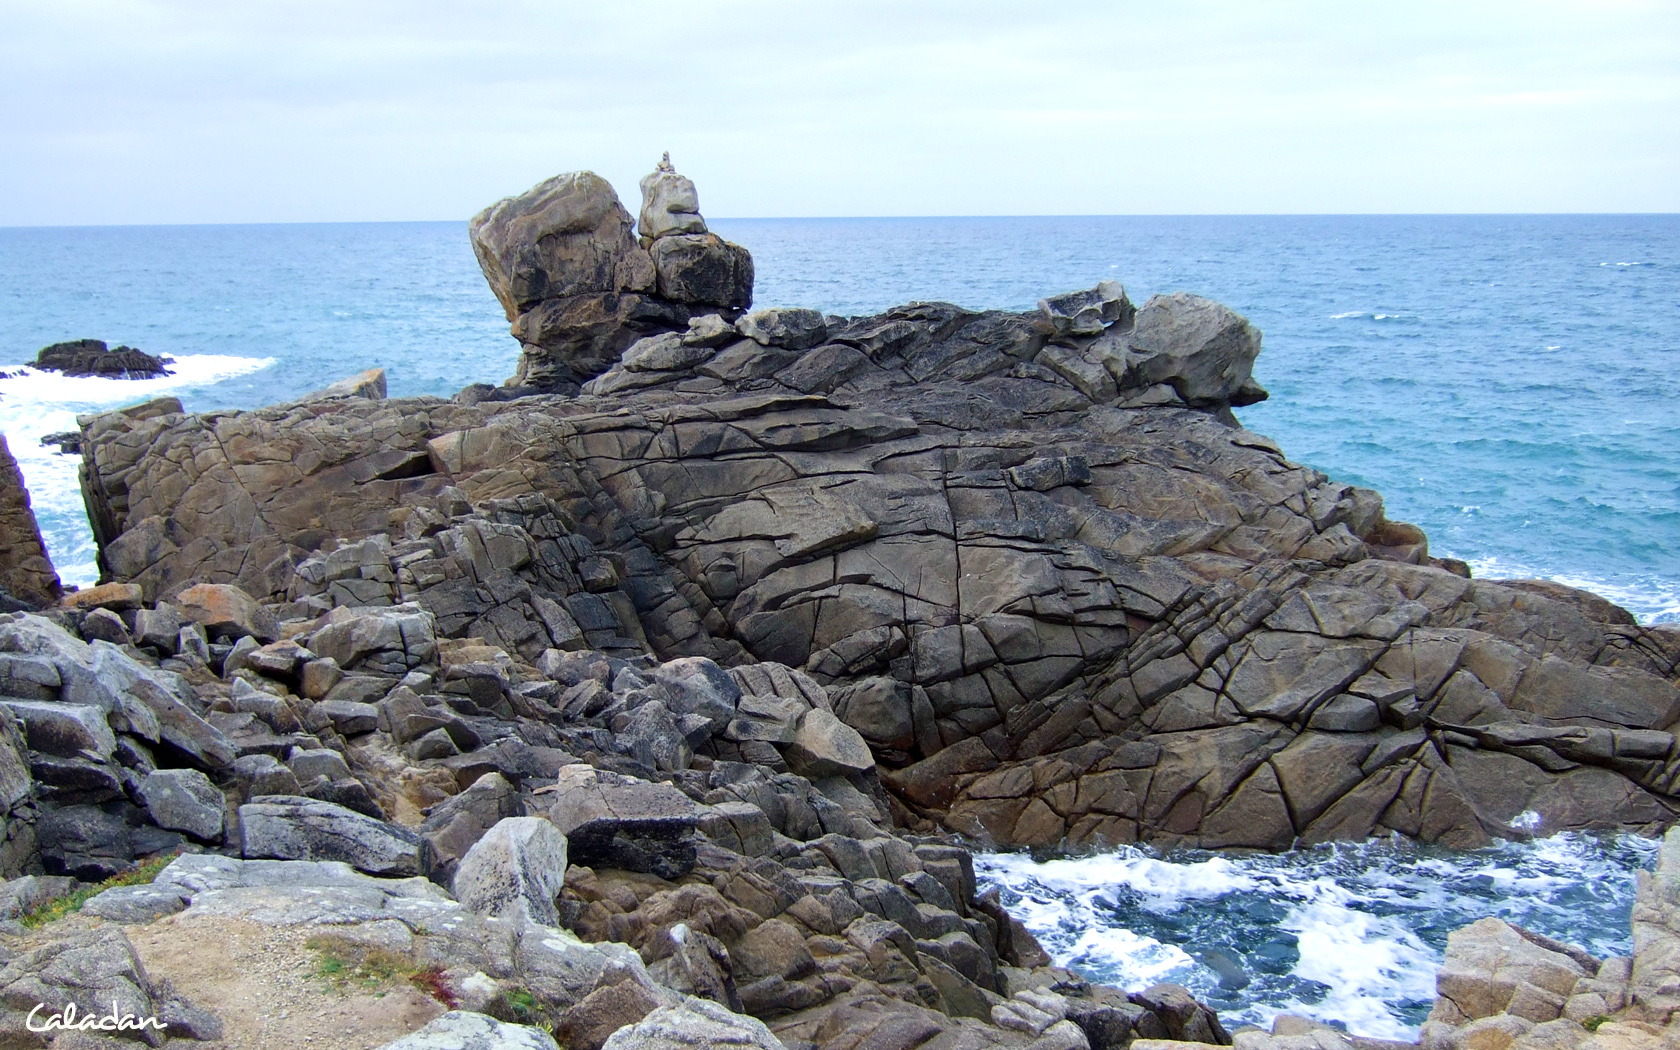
{"points": [[189, 111]]}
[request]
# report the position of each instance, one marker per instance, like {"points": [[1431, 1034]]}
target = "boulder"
{"points": [[824, 746], [615, 821], [696, 1024], [224, 610], [26, 572], [452, 826], [790, 328], [290, 827], [670, 203], [461, 1030], [566, 236], [1087, 312], [369, 384], [703, 270], [391, 640], [65, 730], [1206, 351], [184, 800], [515, 871], [95, 971]]}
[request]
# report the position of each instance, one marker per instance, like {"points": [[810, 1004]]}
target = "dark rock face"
{"points": [[91, 357], [27, 577]]}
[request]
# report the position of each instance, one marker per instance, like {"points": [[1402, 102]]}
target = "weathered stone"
{"points": [[825, 746], [26, 572], [792, 329], [514, 871], [223, 609], [617, 821], [696, 1023], [184, 800], [460, 1030], [289, 827]]}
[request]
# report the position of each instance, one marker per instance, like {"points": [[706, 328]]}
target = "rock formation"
{"points": [[579, 287], [703, 658], [27, 578], [92, 357], [1062, 594]]}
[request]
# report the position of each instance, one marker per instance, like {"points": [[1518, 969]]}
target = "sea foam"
{"points": [[34, 404], [1350, 933]]}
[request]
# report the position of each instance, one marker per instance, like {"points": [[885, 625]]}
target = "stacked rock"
{"points": [[579, 287]]}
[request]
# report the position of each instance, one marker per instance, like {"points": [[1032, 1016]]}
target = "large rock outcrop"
{"points": [[579, 287], [27, 577], [1034, 559]]}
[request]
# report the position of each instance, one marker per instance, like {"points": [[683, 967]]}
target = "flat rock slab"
{"points": [[291, 827]]}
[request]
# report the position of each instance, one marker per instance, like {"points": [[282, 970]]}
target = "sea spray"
{"points": [[34, 404], [1351, 933]]}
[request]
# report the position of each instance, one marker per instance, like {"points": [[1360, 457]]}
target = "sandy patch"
{"points": [[262, 982]]}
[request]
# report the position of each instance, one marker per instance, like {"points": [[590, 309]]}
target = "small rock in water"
{"points": [[92, 357], [69, 442]]}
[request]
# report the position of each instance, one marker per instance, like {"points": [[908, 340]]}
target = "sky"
{"points": [[205, 111]]}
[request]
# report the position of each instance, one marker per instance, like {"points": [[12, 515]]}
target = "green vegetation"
{"points": [[1591, 1024], [348, 966], [517, 1005], [140, 875]]}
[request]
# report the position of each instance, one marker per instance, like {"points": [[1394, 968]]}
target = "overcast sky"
{"points": [[128, 111]]}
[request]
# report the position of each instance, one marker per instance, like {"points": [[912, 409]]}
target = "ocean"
{"points": [[1509, 383]]}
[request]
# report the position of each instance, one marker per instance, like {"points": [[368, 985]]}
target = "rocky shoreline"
{"points": [[668, 685]]}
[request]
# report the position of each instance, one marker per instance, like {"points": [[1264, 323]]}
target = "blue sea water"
{"points": [[1507, 382]]}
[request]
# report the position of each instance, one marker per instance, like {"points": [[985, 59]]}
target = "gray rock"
{"points": [[704, 270], [461, 1030], [307, 764], [1087, 312], [103, 625], [663, 353], [159, 628], [617, 821], [710, 331], [515, 871], [66, 730], [261, 774], [824, 746], [390, 640], [184, 800], [135, 904], [791, 329], [652, 737], [237, 658], [290, 827], [669, 204], [452, 826], [697, 1023], [567, 236], [1205, 350], [96, 970], [348, 717], [85, 842]]}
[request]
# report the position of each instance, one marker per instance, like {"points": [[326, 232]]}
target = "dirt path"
{"points": [[262, 982]]}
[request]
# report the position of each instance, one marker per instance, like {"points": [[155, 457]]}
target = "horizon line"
{"points": [[897, 218]]}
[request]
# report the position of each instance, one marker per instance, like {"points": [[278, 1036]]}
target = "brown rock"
{"points": [[26, 573]]}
